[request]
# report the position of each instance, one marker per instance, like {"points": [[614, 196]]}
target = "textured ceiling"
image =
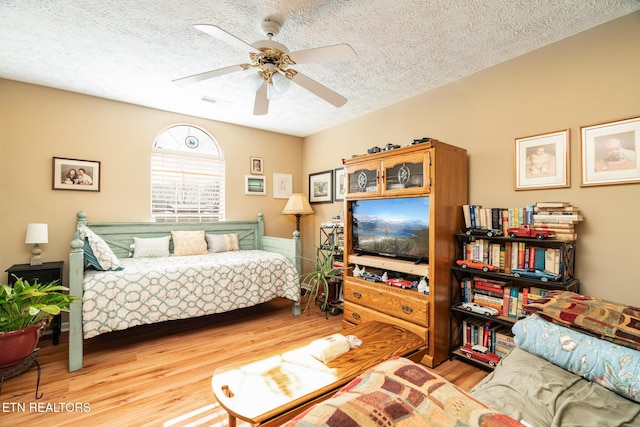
{"points": [[131, 50]]}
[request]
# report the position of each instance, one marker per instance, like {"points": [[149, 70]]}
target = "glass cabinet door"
{"points": [[406, 174], [363, 179]]}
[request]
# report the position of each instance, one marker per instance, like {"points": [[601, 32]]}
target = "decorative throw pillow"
{"points": [[613, 366], [97, 251], [222, 242], [188, 242], [591, 315], [151, 247]]}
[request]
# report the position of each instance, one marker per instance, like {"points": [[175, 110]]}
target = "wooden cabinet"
{"points": [[389, 174], [432, 169]]}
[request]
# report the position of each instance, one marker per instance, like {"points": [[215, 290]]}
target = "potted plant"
{"points": [[25, 309], [319, 278]]}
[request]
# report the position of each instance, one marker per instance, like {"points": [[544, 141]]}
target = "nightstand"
{"points": [[45, 273]]}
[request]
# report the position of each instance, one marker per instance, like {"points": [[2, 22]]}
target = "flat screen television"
{"points": [[391, 227]]}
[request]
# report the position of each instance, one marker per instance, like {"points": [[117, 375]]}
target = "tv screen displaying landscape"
{"points": [[392, 227]]}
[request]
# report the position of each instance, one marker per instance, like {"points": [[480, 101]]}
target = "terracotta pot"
{"points": [[18, 345]]}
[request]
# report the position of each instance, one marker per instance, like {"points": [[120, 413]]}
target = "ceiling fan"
{"points": [[272, 61]]}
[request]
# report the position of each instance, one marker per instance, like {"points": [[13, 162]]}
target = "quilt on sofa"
{"points": [[150, 290], [399, 392]]}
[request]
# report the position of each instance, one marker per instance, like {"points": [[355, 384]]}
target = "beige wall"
{"points": [[586, 79], [38, 123]]}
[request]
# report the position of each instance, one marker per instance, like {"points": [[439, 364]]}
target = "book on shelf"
{"points": [[552, 204]]}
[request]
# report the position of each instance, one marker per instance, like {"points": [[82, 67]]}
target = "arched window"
{"points": [[187, 176]]}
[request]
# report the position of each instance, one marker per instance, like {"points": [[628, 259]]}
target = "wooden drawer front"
{"points": [[403, 304], [356, 314]]}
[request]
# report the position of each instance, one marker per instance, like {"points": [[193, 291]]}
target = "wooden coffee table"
{"points": [[277, 386]]}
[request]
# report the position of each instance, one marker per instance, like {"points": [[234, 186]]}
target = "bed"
{"points": [[129, 274], [576, 364]]}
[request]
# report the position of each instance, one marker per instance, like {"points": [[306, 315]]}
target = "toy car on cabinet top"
{"points": [[480, 352], [477, 308], [474, 263], [526, 230], [533, 273]]}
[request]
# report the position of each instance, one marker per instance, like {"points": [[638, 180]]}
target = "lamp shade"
{"points": [[37, 233], [297, 205]]}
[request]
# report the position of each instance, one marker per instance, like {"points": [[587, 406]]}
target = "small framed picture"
{"points": [[257, 165], [75, 174], [542, 161], [255, 185], [609, 153], [282, 185], [339, 185], [321, 187]]}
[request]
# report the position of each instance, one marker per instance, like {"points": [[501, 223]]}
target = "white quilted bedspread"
{"points": [[151, 290]]}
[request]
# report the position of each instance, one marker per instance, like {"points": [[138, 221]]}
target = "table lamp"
{"points": [[297, 205], [36, 234]]}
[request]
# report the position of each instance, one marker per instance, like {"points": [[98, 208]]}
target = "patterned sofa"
{"points": [[577, 364]]}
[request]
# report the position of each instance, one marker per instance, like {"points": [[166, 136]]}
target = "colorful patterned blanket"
{"points": [[151, 290], [399, 392], [607, 320]]}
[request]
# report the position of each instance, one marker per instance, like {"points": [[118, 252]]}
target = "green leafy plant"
{"points": [[24, 304], [319, 278]]}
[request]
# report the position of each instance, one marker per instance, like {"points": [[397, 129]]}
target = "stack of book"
{"points": [[560, 217], [497, 338], [507, 299]]}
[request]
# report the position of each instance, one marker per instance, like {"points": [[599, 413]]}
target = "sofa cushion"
{"points": [[186, 242], [151, 247], [399, 392], [222, 242], [97, 252], [613, 366], [610, 321]]}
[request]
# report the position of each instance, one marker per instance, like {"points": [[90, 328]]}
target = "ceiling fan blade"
{"points": [[209, 74], [221, 34], [261, 106], [317, 88], [338, 52]]}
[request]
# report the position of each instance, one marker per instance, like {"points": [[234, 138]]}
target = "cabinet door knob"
{"points": [[357, 294], [355, 316], [407, 309]]}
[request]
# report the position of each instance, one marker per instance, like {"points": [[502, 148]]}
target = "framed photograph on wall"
{"points": [[339, 184], [282, 185], [74, 174], [321, 187], [609, 153], [257, 165], [255, 185], [542, 161]]}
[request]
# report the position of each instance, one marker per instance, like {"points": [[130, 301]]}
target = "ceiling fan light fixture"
{"points": [[273, 94], [280, 82], [253, 81]]}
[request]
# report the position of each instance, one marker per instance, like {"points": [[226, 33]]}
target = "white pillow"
{"points": [[102, 256], [222, 242], [188, 242], [151, 247]]}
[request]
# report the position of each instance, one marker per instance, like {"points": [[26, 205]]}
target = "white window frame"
{"points": [[187, 177]]}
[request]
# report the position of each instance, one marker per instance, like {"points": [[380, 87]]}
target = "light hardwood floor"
{"points": [[159, 375]]}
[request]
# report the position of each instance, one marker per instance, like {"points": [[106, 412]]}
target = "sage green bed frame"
{"points": [[119, 236]]}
